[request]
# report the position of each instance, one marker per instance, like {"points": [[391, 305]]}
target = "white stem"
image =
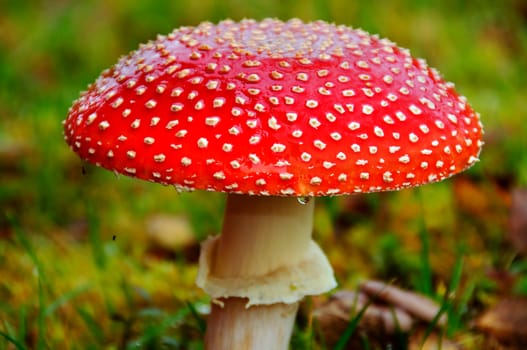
{"points": [[260, 235], [232, 326]]}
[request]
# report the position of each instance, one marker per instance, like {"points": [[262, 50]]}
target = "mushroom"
{"points": [[272, 113]]}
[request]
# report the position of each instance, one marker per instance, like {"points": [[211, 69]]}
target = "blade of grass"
{"points": [[159, 328], [13, 341], [365, 343], [351, 327], [94, 234], [202, 326], [454, 316], [400, 338], [424, 283], [446, 302], [51, 308], [457, 273], [435, 320], [322, 345], [310, 331], [41, 279], [92, 324], [426, 270], [22, 322]]}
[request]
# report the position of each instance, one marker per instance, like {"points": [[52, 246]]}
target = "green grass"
{"points": [[66, 283]]}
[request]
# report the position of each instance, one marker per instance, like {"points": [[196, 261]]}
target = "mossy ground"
{"points": [[76, 268]]}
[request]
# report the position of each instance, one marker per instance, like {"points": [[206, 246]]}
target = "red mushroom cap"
{"points": [[275, 108]]}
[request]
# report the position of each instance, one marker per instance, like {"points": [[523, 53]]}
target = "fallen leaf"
{"points": [[415, 304], [344, 305], [432, 342], [382, 324], [506, 322]]}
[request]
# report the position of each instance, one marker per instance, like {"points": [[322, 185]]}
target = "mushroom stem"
{"points": [[261, 235], [232, 326], [259, 268]]}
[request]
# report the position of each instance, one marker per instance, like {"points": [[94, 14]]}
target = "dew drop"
{"points": [[303, 199]]}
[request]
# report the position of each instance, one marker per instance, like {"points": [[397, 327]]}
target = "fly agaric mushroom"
{"points": [[267, 112]]}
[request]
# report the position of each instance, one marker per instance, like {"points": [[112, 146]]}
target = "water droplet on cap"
{"points": [[303, 199]]}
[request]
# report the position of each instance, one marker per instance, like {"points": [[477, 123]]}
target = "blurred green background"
{"points": [[84, 261]]}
